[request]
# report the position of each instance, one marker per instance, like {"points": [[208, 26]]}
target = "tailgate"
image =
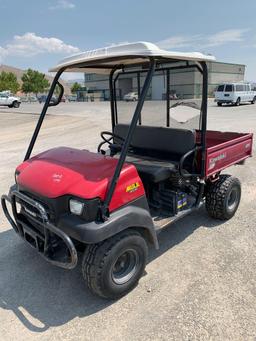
{"points": [[228, 153]]}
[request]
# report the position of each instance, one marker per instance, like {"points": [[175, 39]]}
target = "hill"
{"points": [[20, 72]]}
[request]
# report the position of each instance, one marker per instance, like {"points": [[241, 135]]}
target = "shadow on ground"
{"points": [[42, 296]]}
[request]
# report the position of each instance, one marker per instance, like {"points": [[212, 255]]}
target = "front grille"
{"points": [[31, 212]]}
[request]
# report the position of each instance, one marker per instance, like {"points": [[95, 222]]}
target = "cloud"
{"points": [[178, 41], [116, 44], [62, 4], [3, 53], [227, 36], [29, 45], [203, 41]]}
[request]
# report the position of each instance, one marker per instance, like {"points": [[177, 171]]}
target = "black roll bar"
{"points": [[42, 115], [115, 104], [138, 88], [112, 85], [104, 208], [204, 115], [168, 98], [113, 95]]}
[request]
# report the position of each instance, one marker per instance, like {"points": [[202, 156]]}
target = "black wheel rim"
{"points": [[125, 266], [232, 199]]}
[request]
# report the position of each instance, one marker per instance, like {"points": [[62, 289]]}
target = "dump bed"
{"points": [[224, 149]]}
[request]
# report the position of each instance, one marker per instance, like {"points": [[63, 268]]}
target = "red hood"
{"points": [[63, 170]]}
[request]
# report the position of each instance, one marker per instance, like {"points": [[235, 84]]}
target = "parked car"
{"points": [[42, 99], [131, 96], [234, 93], [9, 100], [29, 99], [72, 98]]}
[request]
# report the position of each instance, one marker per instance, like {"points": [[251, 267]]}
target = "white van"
{"points": [[234, 93]]}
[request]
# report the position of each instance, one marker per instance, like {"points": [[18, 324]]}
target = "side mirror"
{"points": [[60, 90]]}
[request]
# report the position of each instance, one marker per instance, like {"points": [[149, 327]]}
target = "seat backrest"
{"points": [[159, 139]]}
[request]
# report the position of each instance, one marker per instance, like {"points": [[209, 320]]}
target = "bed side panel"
{"points": [[226, 156]]}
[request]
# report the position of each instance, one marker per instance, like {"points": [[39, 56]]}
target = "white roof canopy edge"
{"points": [[128, 54]]}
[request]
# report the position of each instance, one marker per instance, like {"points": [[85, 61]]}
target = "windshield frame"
{"points": [[113, 81]]}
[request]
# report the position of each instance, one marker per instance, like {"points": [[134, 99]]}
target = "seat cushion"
{"points": [[151, 169], [156, 151]]}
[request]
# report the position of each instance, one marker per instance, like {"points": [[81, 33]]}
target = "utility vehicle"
{"points": [[112, 203], [235, 93]]}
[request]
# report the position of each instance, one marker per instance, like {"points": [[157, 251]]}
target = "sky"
{"points": [[37, 34]]}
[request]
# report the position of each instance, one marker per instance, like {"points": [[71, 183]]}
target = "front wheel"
{"points": [[254, 100], [219, 104], [113, 268], [238, 101], [223, 197], [16, 104]]}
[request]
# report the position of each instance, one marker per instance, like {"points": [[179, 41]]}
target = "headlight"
{"points": [[76, 207], [16, 175]]}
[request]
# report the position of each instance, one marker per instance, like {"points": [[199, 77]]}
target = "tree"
{"points": [[76, 87], [34, 81], [8, 81]]}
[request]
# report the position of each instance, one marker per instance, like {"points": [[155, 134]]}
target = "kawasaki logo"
{"points": [[30, 212], [213, 160], [57, 177]]}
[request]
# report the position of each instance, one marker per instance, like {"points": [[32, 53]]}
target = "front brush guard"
{"points": [[40, 241]]}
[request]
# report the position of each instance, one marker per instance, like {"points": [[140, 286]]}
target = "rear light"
{"points": [[76, 207]]}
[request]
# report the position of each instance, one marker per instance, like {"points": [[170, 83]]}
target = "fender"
{"points": [[129, 216]]}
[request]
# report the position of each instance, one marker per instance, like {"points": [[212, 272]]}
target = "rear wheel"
{"points": [[219, 104], [113, 268], [254, 100], [223, 197], [238, 101]]}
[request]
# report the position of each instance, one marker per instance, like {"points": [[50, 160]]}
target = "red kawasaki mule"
{"points": [[112, 203]]}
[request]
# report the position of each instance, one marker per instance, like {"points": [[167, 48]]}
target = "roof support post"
{"points": [[113, 95], [138, 88], [168, 97], [42, 115], [204, 114], [114, 98]]}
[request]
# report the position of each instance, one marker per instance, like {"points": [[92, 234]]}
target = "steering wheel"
{"points": [[108, 139]]}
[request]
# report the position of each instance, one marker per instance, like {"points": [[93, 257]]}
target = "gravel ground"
{"points": [[200, 285]]}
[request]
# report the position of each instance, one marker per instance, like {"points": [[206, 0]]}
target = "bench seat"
{"points": [[156, 151]]}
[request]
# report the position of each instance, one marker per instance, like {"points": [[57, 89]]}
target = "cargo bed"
{"points": [[224, 149]]}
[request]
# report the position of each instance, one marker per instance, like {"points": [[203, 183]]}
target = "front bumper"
{"points": [[224, 101], [52, 243]]}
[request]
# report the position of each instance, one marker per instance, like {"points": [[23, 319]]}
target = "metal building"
{"points": [[183, 83]]}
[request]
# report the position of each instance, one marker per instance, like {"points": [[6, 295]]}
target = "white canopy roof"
{"points": [[127, 54]]}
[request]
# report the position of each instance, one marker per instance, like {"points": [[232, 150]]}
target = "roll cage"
{"points": [[150, 65]]}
